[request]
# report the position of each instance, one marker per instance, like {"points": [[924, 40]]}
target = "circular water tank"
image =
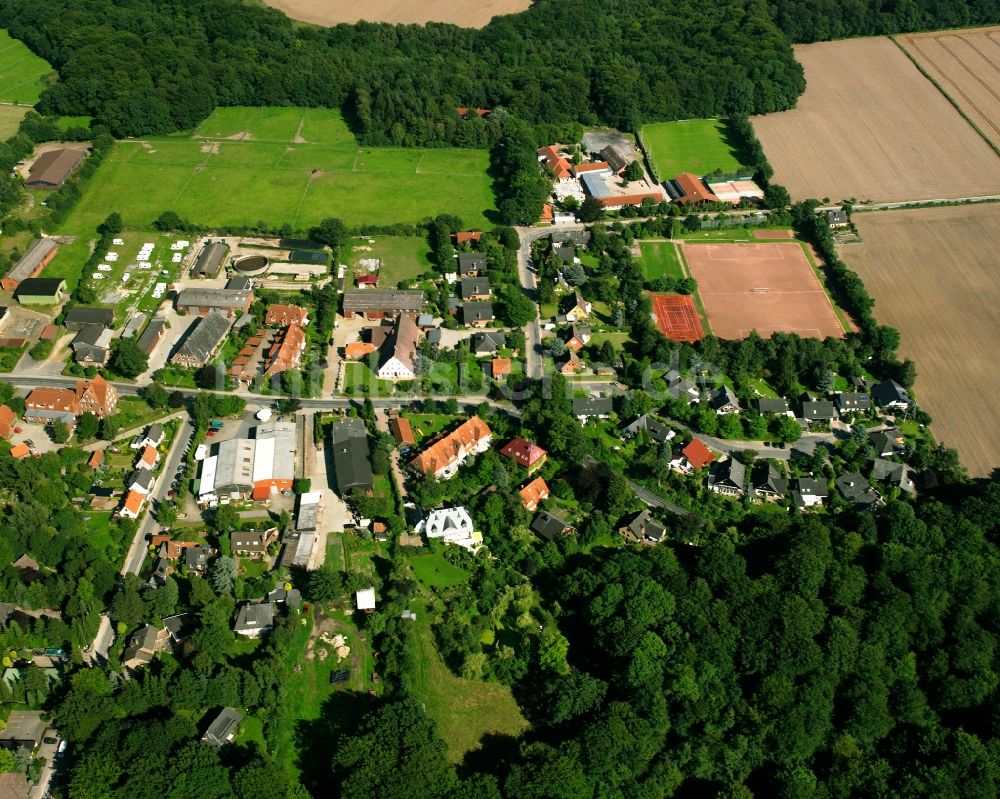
{"points": [[251, 265]]}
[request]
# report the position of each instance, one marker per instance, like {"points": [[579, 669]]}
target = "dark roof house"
{"points": [[202, 341], [818, 410], [470, 264], [586, 407], [889, 394], [82, 315], [351, 455], [223, 728], [727, 477], [550, 526], [658, 431], [858, 491], [643, 527]]}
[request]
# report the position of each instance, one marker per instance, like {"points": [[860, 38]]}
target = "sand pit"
{"points": [[465, 13]]}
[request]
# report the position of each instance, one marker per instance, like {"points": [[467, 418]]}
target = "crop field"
{"points": [[465, 13], [21, 72], [691, 145], [871, 127], [282, 165], [966, 64], [764, 287], [933, 275]]}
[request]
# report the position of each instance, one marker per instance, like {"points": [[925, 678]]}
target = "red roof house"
{"points": [[526, 453], [697, 454]]}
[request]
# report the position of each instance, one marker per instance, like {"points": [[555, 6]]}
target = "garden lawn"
{"points": [[21, 72], [465, 710], [403, 257], [133, 412], [700, 146], [435, 571], [428, 425], [282, 166], [660, 259]]}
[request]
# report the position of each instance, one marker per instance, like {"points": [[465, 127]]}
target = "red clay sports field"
{"points": [[677, 317]]}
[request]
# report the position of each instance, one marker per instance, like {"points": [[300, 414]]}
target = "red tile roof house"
{"points": [[7, 420], [526, 453], [693, 457], [550, 158], [285, 315], [533, 493], [149, 458]]}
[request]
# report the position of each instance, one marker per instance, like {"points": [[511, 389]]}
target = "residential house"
{"points": [[887, 442], [140, 481], [452, 526], [92, 345], [211, 258], [695, 455], [564, 253], [351, 455], [471, 264], [727, 477], [253, 619], [581, 238], [579, 337], [489, 342], [196, 559], [365, 599], [585, 408], [382, 303], [253, 543], [7, 421], [223, 728], [858, 491], [402, 431], [356, 350], [203, 340], [96, 457], [658, 431], [891, 396], [366, 280], [852, 402], [499, 368], [80, 316], [24, 729], [286, 350], [724, 401], [577, 308], [643, 527], [151, 335], [533, 493], [291, 598], [40, 291], [836, 218], [398, 353], [474, 288], [153, 437], [20, 451], [550, 526], [31, 264], [144, 645], [477, 314], [148, 458], [767, 482], [807, 492], [570, 364], [285, 315], [180, 626], [681, 387], [51, 168], [132, 505], [95, 396], [556, 163], [445, 454], [527, 453], [468, 236], [225, 301], [776, 405], [818, 410], [897, 474]]}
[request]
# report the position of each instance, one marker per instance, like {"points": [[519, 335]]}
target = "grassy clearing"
{"points": [[403, 257], [660, 259], [434, 571], [282, 165], [691, 145], [428, 425], [21, 72], [726, 234], [10, 119], [465, 710]]}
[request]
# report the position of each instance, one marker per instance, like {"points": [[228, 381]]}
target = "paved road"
{"points": [[533, 330], [652, 499]]}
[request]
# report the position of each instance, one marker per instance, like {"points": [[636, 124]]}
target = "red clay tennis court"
{"points": [[677, 317], [769, 288]]}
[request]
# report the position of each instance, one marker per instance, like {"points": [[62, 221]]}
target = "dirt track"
{"points": [[870, 126], [466, 13], [933, 275]]}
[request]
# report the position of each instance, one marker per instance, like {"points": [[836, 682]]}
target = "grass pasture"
{"points": [[10, 119], [691, 145], [21, 72], [403, 257], [660, 259], [282, 165]]}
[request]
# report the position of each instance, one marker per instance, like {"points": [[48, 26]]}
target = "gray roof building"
{"points": [[723, 400], [585, 407], [472, 287], [778, 405], [350, 455], [889, 394], [488, 342], [32, 262], [897, 474], [152, 334], [767, 481], [143, 479], [253, 619], [658, 431], [202, 341], [210, 259], [471, 263], [581, 238], [205, 300], [566, 253], [818, 410], [51, 169], [238, 284], [196, 558], [550, 526], [727, 477], [292, 598], [858, 491], [383, 301], [615, 158], [477, 312], [887, 442], [79, 317], [853, 401], [643, 527], [223, 728], [91, 345], [306, 516]]}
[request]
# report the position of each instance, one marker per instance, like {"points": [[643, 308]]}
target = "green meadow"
{"points": [[660, 259], [282, 165], [691, 145], [21, 72]]}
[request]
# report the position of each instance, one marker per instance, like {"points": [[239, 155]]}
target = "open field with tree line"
{"points": [[691, 145], [21, 72], [467, 13], [966, 65], [933, 275], [870, 126]]}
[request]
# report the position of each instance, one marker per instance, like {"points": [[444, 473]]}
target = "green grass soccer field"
{"points": [[692, 145], [282, 165], [21, 72]]}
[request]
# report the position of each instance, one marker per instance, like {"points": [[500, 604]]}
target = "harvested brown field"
{"points": [[763, 287], [933, 275], [871, 127], [966, 64], [465, 13]]}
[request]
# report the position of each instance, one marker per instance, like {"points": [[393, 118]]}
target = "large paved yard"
{"points": [[933, 275]]}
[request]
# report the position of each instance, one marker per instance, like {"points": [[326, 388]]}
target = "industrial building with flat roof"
{"points": [[256, 467], [31, 264], [351, 455]]}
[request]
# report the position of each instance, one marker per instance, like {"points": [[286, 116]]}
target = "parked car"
{"points": [[339, 676]]}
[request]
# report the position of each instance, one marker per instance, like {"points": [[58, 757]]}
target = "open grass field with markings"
{"points": [[21, 72], [690, 145]]}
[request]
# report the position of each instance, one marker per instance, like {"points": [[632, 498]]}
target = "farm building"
{"points": [[40, 291], [313, 257], [7, 420], [202, 341], [151, 335], [689, 189], [96, 396], [286, 351], [382, 303], [51, 169], [552, 160], [92, 345], [210, 259], [615, 158], [613, 195], [351, 455], [308, 512], [398, 352], [79, 317], [31, 264], [226, 301]]}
